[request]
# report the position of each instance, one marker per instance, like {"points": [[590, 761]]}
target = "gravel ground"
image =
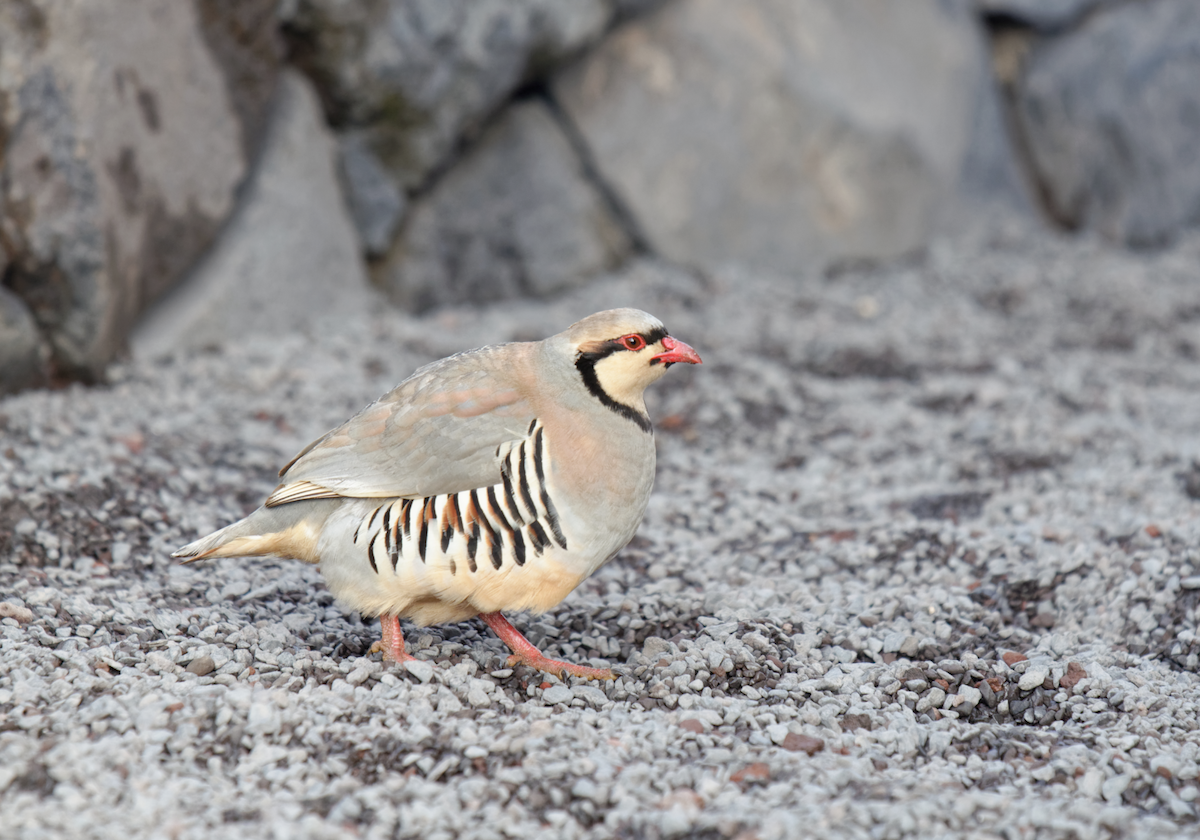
{"points": [[921, 561]]}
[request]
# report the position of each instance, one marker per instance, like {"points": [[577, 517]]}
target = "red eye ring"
{"points": [[632, 342]]}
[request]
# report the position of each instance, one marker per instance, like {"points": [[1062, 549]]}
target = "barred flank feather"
{"points": [[493, 522]]}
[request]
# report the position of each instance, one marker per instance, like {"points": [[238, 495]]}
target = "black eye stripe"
{"points": [[618, 344], [652, 337]]}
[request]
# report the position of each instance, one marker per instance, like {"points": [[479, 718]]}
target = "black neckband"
{"points": [[585, 363]]}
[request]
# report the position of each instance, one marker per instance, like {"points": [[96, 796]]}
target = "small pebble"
{"points": [[1033, 677], [557, 694], [202, 666], [419, 668]]}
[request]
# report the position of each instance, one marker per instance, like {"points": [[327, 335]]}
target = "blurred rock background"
{"points": [[176, 172]]}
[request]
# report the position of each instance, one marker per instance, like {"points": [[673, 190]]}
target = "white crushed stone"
{"points": [[855, 520]]}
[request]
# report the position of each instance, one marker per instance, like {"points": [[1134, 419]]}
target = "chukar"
{"points": [[493, 480]]}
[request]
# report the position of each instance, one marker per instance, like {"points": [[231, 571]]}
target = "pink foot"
{"points": [[524, 653], [392, 643]]}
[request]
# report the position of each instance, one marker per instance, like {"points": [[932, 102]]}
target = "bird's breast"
{"points": [[602, 482]]}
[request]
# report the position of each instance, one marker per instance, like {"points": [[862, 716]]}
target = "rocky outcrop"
{"points": [[22, 354], [287, 261], [1109, 114], [408, 81], [517, 216], [782, 134], [127, 129], [484, 149]]}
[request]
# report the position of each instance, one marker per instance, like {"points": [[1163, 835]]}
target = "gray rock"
{"points": [[590, 695], [1035, 674], [517, 216], [420, 75], [971, 698], [23, 359], [127, 131], [1109, 113], [376, 200], [235, 589], [730, 136], [655, 646], [1114, 787], [991, 186], [932, 699], [289, 251], [420, 669], [630, 8], [892, 641], [556, 694]]}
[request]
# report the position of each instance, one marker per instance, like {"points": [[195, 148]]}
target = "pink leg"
{"points": [[392, 643], [526, 654]]}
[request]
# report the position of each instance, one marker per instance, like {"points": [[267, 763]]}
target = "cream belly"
{"points": [[431, 573]]}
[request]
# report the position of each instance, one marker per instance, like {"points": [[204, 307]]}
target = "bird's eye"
{"points": [[633, 342]]}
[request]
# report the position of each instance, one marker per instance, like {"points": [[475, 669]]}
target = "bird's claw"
{"points": [[561, 669]]}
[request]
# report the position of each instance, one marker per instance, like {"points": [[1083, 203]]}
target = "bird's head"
{"points": [[621, 351]]}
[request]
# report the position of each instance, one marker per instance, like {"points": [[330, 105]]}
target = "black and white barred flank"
{"points": [[495, 524]]}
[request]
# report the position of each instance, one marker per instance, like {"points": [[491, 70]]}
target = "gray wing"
{"points": [[437, 432]]}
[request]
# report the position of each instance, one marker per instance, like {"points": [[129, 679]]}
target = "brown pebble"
{"points": [[852, 721], [1075, 672], [202, 666], [757, 772], [692, 725], [1011, 657], [803, 743], [8, 609], [686, 797]]}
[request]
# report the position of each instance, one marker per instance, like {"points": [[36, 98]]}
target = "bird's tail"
{"points": [[290, 530]]}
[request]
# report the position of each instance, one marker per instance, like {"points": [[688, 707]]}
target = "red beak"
{"points": [[677, 351]]}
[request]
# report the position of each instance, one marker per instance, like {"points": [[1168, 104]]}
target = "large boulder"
{"points": [[127, 128], [287, 261], [23, 361], [405, 81], [1111, 117], [517, 215], [783, 134]]}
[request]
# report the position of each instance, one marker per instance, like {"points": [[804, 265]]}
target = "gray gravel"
{"points": [[922, 561]]}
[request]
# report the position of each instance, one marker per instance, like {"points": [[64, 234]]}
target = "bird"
{"points": [[494, 480]]}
